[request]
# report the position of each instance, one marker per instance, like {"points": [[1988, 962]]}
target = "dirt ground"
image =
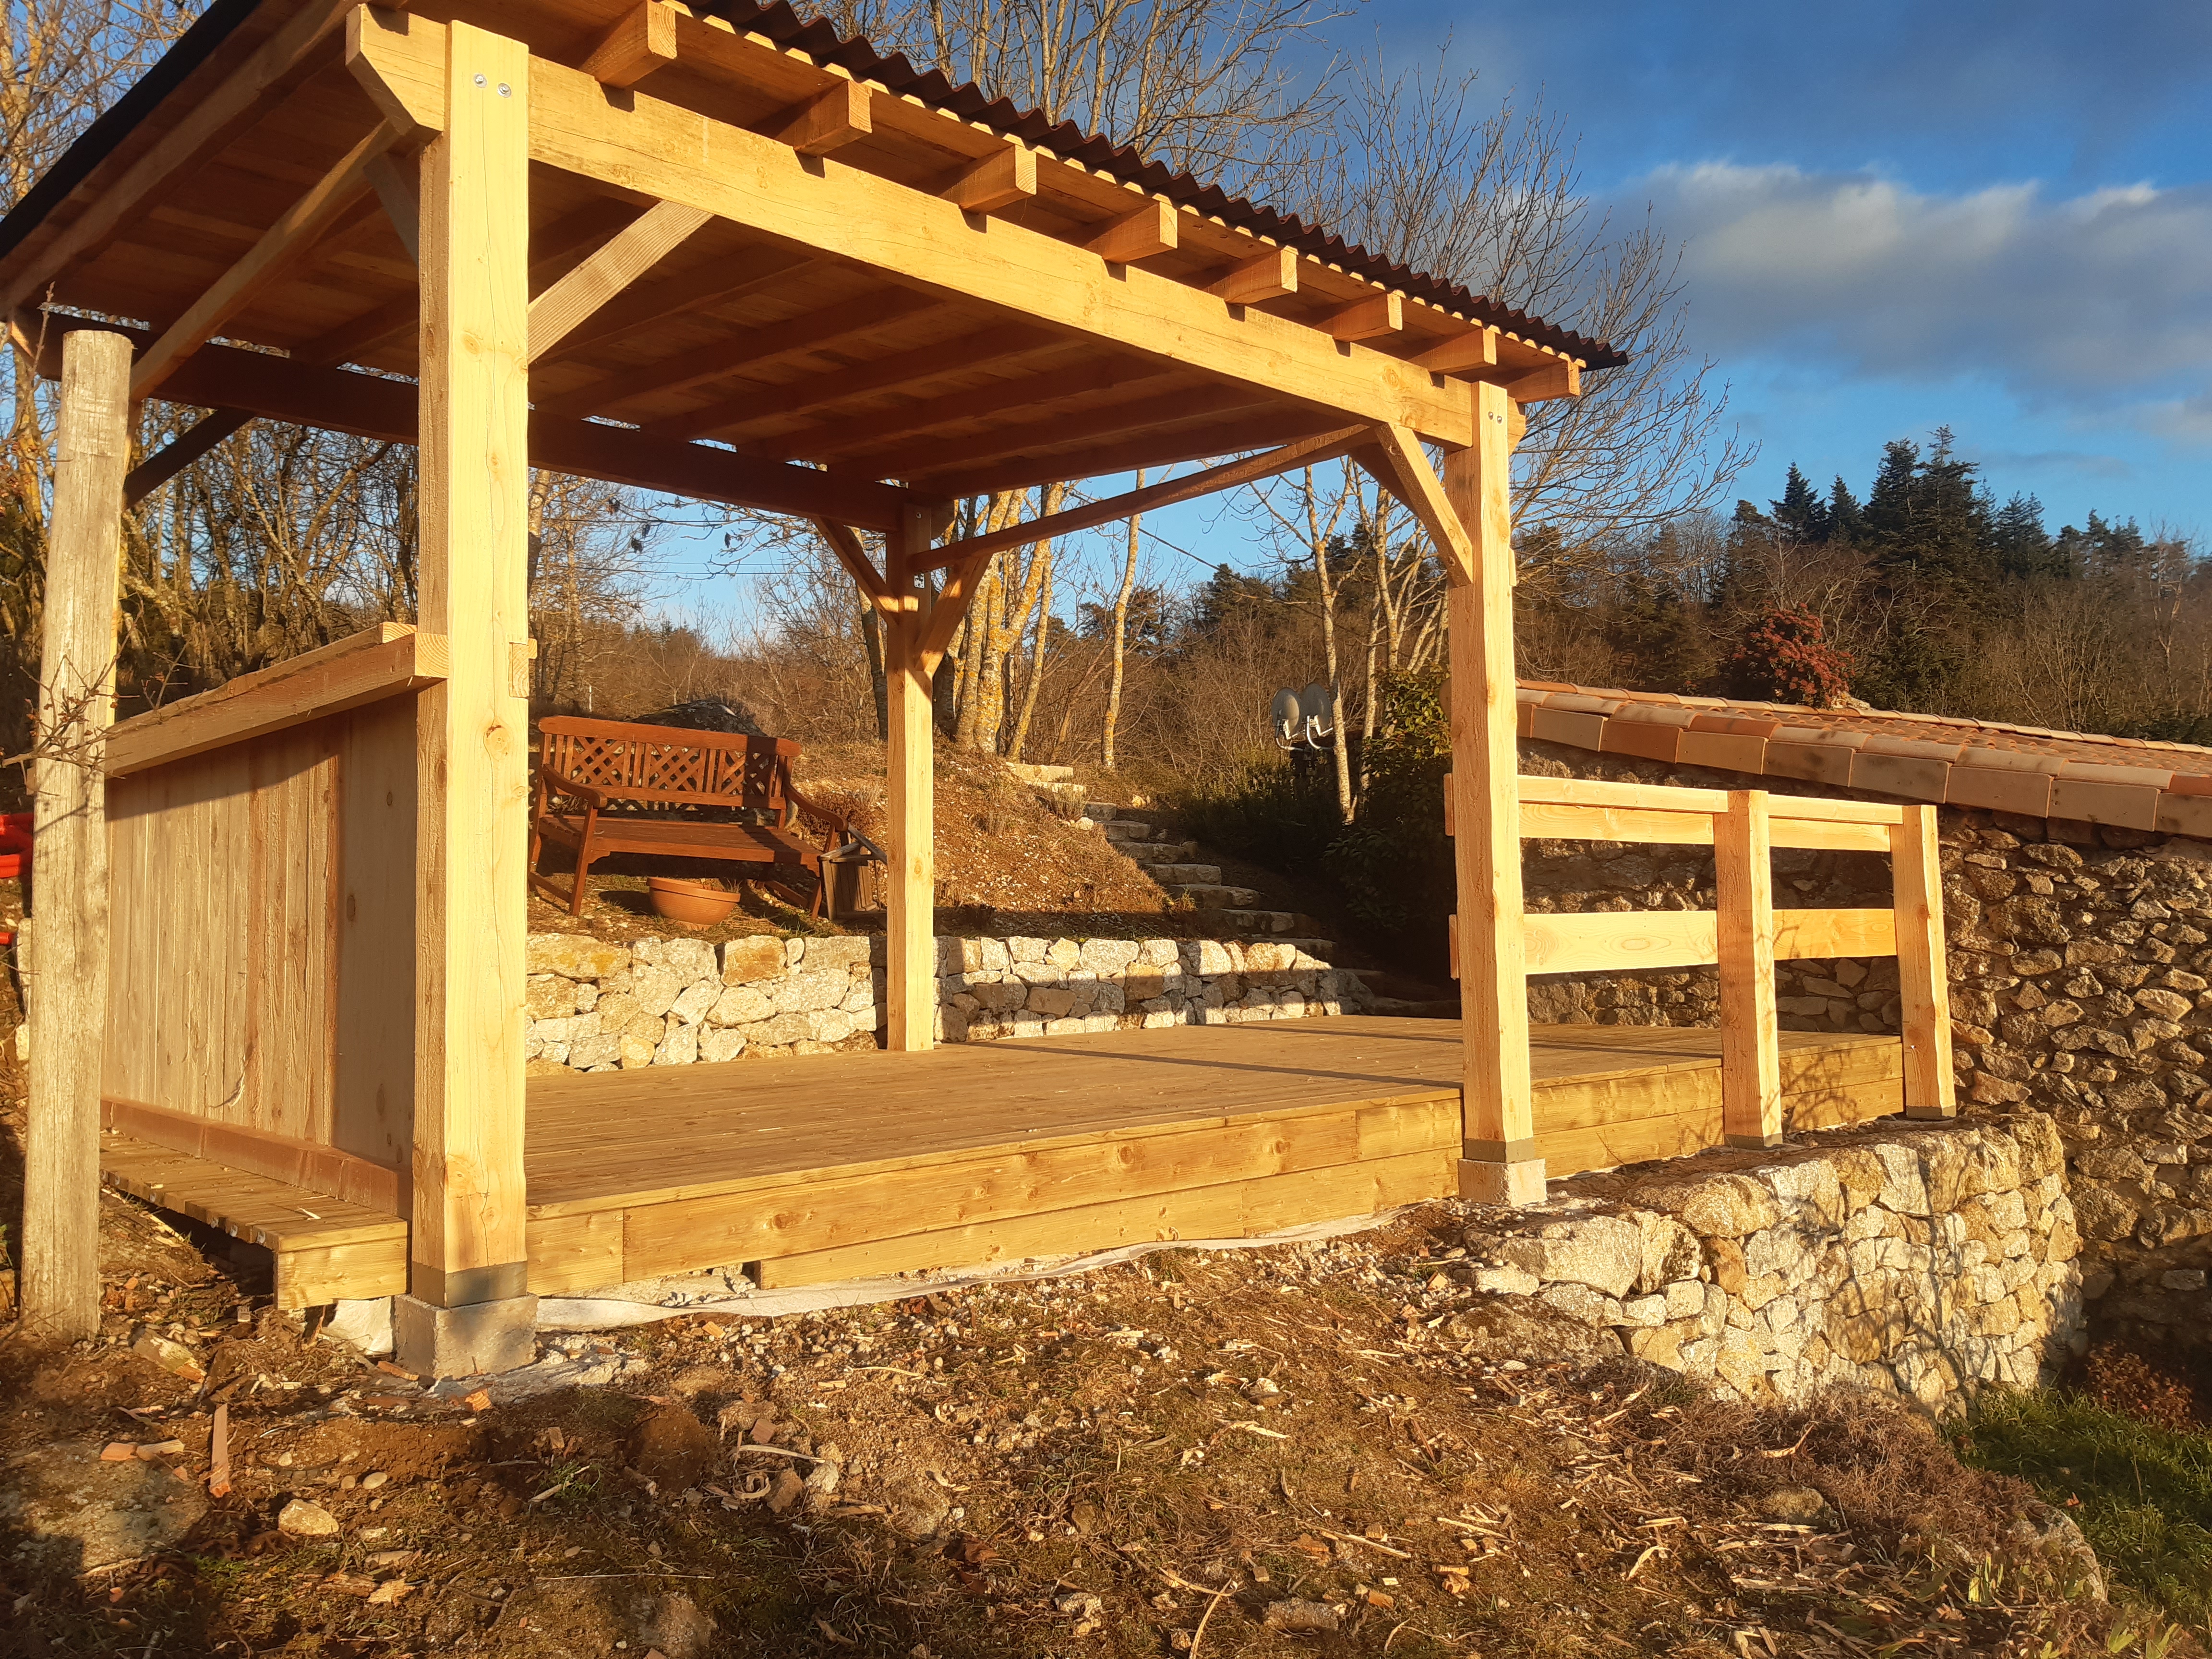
{"points": [[1330, 1449]]}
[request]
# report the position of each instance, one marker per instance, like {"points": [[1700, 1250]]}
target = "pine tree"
{"points": [[1800, 513], [1845, 517], [2024, 549]]}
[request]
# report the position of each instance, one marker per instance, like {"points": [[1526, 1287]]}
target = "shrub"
{"points": [[1394, 860], [1265, 813], [1785, 657]]}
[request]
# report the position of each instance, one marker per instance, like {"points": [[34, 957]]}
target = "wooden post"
{"points": [[910, 960], [466, 1250], [66, 975], [1922, 977], [1500, 1163], [1751, 1052]]}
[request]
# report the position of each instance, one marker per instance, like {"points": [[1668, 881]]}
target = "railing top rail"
{"points": [[1668, 798]]}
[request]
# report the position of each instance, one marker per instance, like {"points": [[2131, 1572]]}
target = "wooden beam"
{"points": [[808, 332], [210, 123], [715, 281], [1270, 276], [181, 451], [992, 182], [828, 121], [377, 406], [1310, 451], [1151, 230], [466, 1243], [999, 398], [365, 668], [1368, 318], [396, 192], [681, 155], [627, 255], [910, 967], [914, 460], [65, 974], [1404, 471], [1500, 1165], [281, 246], [1561, 378], [1922, 976], [846, 545], [643, 42], [978, 350], [1750, 1052]]}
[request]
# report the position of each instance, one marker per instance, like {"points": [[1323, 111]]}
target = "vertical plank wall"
{"points": [[262, 902]]}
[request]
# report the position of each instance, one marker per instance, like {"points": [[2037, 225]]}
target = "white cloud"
{"points": [[2100, 303]]}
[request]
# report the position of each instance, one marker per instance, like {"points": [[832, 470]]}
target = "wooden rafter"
{"points": [[994, 183], [977, 350], [643, 42], [627, 255], [1026, 437], [1186, 442], [1149, 230], [826, 122], [716, 281], [679, 155], [1307, 452], [999, 398], [808, 332], [376, 406], [282, 246]]}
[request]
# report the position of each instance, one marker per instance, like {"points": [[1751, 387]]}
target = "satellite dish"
{"points": [[1318, 704], [1288, 715]]}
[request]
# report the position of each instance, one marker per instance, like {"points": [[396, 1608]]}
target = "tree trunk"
{"points": [[1121, 631], [1037, 659]]}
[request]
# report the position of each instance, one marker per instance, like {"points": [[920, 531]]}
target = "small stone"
{"points": [[1309, 1618], [786, 1491], [169, 1356], [373, 1479], [1798, 1505], [301, 1519]]}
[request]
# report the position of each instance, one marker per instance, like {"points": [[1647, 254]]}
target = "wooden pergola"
{"points": [[728, 257]]}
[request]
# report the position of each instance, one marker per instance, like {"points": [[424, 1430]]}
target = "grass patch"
{"points": [[2143, 1494]]}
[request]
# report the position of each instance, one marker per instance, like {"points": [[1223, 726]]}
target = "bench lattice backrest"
{"points": [[667, 765]]}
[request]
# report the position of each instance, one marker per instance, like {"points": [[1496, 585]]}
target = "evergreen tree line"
{"points": [[1935, 597]]}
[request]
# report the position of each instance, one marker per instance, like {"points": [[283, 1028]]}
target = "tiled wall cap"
{"points": [[2007, 760], [2087, 772], [1836, 737], [1655, 714], [1531, 693], [1581, 702], [1912, 748], [2190, 783]]}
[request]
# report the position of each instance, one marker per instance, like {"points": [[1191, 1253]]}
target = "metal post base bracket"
{"points": [[482, 1336], [1517, 1183]]}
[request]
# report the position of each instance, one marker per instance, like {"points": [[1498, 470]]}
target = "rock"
{"points": [[2052, 1536], [744, 960], [1722, 1207], [1603, 1252], [169, 1356], [1517, 1328], [82, 1514], [1580, 1302], [1307, 1618], [915, 1505], [1800, 1506], [673, 1450], [301, 1519], [573, 956], [786, 1491]]}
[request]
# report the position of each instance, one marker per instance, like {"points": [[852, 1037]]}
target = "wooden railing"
{"points": [[1744, 935]]}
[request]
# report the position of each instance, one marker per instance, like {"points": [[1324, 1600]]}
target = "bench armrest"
{"points": [[560, 783], [821, 816]]}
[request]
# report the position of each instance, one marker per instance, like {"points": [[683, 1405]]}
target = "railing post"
{"points": [[1923, 979], [1751, 1055]]}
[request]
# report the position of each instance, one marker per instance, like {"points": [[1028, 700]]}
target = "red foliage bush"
{"points": [[1785, 657]]}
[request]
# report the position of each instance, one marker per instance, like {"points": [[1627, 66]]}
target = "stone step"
{"points": [[1152, 854], [1321, 950], [1403, 1009], [1258, 921], [1038, 772], [1127, 828], [1186, 875], [1210, 896], [1101, 811]]}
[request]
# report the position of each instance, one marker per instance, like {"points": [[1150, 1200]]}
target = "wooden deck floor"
{"points": [[831, 1166]]}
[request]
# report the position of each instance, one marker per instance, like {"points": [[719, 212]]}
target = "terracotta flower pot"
{"points": [[692, 903]]}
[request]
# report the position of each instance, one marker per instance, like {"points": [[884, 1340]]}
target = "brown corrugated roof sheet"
{"points": [[818, 39], [2129, 782]]}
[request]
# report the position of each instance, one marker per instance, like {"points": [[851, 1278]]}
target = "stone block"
{"points": [[549, 996], [1108, 956], [740, 1005], [691, 958], [809, 991], [1728, 1205], [1904, 1189], [745, 960], [572, 956], [1582, 1303], [1064, 954], [823, 955], [1603, 1252], [691, 1005], [482, 1336], [718, 1045], [1643, 1312]]}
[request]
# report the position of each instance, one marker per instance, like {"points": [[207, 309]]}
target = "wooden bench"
{"points": [[667, 791]]}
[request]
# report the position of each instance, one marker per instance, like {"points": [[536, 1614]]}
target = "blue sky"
{"points": [[1893, 216]]}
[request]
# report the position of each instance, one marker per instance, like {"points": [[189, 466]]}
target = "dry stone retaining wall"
{"points": [[598, 1006], [1914, 1262]]}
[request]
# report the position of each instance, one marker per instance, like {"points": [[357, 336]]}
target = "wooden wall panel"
{"points": [[264, 905]]}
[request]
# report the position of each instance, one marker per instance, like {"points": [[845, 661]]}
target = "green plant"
{"points": [[1394, 860], [2141, 1494], [1265, 813]]}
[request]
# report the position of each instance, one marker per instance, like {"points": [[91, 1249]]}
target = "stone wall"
{"points": [[2081, 969], [1914, 1261], [596, 1006]]}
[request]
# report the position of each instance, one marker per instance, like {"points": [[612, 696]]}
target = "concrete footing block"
{"points": [[1517, 1183], [481, 1336]]}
